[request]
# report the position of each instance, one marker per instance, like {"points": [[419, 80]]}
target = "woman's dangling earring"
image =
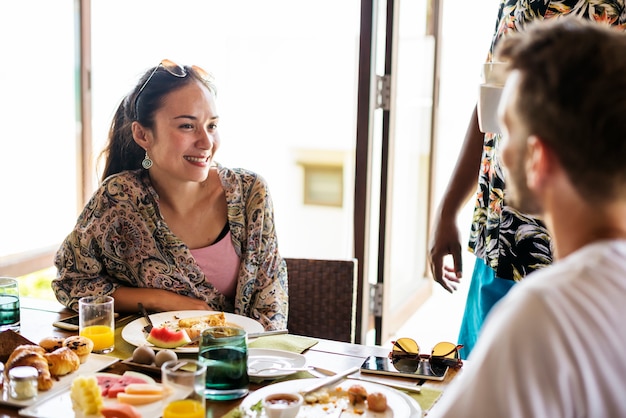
{"points": [[147, 162]]}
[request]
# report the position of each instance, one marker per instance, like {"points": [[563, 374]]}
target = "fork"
{"points": [[143, 311]]}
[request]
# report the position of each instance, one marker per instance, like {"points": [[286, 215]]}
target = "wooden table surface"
{"points": [[36, 323]]}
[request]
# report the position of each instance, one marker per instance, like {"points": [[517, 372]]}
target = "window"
{"points": [[40, 130], [323, 185]]}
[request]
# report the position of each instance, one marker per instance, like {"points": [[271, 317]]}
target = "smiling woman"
{"points": [[169, 226]]}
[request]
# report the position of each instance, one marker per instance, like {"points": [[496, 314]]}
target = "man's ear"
{"points": [[141, 135], [540, 164]]}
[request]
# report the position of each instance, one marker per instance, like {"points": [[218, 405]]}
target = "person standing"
{"points": [[554, 345], [508, 244]]}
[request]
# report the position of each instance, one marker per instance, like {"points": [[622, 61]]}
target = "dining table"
{"points": [[37, 317]]}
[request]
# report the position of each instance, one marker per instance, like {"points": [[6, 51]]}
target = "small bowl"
{"points": [[282, 405]]}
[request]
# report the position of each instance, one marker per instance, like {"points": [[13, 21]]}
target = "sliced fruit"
{"points": [[85, 395], [138, 399], [119, 410], [112, 384], [145, 389], [167, 338], [105, 381]]}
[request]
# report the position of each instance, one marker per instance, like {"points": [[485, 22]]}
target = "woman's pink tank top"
{"points": [[220, 264]]}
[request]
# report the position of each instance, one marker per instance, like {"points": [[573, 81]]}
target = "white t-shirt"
{"points": [[555, 346]]}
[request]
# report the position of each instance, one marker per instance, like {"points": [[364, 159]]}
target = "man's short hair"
{"points": [[572, 94]]}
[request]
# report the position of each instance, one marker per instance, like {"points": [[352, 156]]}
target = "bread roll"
{"points": [[31, 355], [51, 343], [62, 361], [82, 346]]}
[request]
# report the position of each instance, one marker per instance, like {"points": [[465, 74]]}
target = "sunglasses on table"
{"points": [[176, 70], [442, 354]]}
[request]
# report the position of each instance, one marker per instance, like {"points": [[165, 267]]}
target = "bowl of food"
{"points": [[282, 405]]}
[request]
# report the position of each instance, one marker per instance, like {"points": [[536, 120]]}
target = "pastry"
{"points": [[51, 343], [31, 355], [62, 361], [80, 345]]}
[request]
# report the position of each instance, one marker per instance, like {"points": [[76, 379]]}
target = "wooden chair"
{"points": [[322, 298]]}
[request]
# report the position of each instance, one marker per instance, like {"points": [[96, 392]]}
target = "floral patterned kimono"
{"points": [[511, 243], [121, 239]]}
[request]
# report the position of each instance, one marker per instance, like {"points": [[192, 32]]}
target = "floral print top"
{"points": [[512, 243], [121, 239]]}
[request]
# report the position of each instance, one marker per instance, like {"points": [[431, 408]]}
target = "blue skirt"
{"points": [[484, 292]]}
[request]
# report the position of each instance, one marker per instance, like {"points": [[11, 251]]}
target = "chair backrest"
{"points": [[322, 298]]}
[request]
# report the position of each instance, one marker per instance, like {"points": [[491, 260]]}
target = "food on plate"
{"points": [[167, 338], [119, 410], [145, 389], [376, 402], [112, 384], [85, 396], [138, 398], [357, 394], [355, 399], [82, 346], [196, 324], [131, 388], [163, 356], [31, 355], [143, 354], [62, 361], [282, 405], [212, 320], [9, 340], [51, 343]]}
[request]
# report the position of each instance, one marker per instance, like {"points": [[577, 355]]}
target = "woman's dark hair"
{"points": [[122, 152]]}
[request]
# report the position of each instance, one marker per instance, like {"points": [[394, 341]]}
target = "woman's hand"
{"points": [[155, 300], [444, 236], [445, 240]]}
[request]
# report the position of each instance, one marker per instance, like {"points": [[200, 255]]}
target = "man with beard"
{"points": [[554, 346]]}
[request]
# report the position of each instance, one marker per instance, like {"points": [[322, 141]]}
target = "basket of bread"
{"points": [[53, 357]]}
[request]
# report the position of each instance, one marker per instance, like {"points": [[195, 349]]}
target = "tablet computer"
{"points": [[404, 367]]}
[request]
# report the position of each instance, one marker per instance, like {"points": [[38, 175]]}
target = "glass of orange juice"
{"points": [[184, 378], [96, 322]]}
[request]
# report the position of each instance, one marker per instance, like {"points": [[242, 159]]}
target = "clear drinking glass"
{"points": [[224, 352], [9, 304], [96, 322], [185, 379]]}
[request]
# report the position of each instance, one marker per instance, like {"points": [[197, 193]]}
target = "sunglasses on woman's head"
{"points": [[442, 353], [175, 70]]}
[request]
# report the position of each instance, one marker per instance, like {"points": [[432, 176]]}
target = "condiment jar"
{"points": [[23, 382]]}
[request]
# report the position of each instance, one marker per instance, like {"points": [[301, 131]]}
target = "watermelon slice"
{"points": [[167, 338], [111, 384]]}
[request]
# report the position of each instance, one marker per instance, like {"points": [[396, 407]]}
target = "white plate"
{"points": [[399, 405], [94, 363], [60, 406], [133, 332], [260, 358]]}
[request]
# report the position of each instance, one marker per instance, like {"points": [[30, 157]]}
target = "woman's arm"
{"points": [[155, 300], [445, 237]]}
